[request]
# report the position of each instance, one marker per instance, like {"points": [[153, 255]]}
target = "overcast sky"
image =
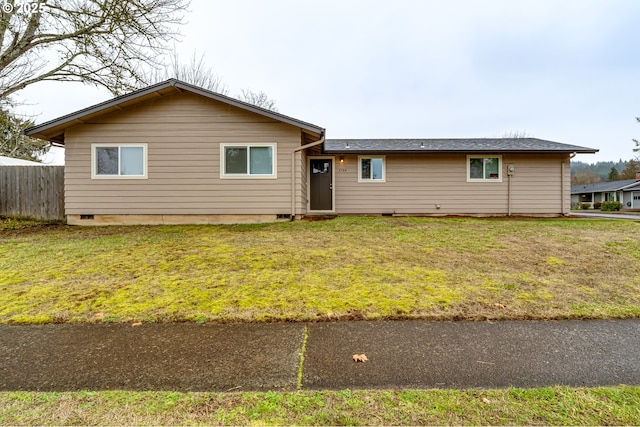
{"points": [[566, 71]]}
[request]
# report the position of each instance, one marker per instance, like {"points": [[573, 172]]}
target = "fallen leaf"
{"points": [[500, 305], [360, 358], [136, 324], [485, 400]]}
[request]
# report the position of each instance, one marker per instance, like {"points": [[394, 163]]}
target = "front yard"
{"points": [[347, 268]]}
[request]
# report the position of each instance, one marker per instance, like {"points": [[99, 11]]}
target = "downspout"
{"points": [[510, 171], [562, 189], [508, 193], [293, 171]]}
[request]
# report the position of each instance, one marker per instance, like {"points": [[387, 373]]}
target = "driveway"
{"points": [[604, 215]]}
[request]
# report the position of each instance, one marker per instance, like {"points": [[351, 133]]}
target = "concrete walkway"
{"points": [[240, 357], [604, 215]]}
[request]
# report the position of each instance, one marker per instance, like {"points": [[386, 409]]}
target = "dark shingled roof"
{"points": [[466, 145], [598, 187]]}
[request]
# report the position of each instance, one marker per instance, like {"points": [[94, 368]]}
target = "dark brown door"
{"points": [[321, 184]]}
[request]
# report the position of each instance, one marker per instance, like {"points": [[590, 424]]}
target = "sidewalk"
{"points": [[241, 357], [605, 215]]}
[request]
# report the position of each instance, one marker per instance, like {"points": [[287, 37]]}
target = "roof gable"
{"points": [[468, 145], [632, 187], [53, 130]]}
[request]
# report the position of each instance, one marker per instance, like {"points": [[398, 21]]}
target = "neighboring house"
{"points": [[626, 192], [176, 153], [10, 161]]}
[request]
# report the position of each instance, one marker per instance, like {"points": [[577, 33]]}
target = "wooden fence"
{"points": [[33, 191]]}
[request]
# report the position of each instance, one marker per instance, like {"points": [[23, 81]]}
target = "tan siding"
{"points": [[185, 108], [415, 184], [183, 133], [305, 183], [301, 208]]}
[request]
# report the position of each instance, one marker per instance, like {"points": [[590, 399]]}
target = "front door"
{"points": [[321, 184]]}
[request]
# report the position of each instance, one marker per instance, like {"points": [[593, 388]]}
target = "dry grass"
{"points": [[547, 406], [446, 268]]}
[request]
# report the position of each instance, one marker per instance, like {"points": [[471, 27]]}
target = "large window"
{"points": [[484, 168], [119, 161], [248, 160], [371, 169]]}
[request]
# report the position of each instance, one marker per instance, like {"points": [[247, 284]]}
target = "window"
{"points": [[484, 168], [119, 161], [248, 161], [610, 196], [371, 169]]}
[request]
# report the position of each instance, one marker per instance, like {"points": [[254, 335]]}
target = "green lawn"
{"points": [[445, 268], [547, 406], [351, 267]]}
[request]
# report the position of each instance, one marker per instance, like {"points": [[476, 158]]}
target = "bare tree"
{"points": [[259, 99], [586, 177], [637, 142], [516, 134], [195, 72], [101, 42], [633, 167]]}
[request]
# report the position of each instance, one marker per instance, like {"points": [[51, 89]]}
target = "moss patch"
{"points": [[444, 268]]}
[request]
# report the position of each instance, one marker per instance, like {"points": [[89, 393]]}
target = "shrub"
{"points": [[597, 205], [585, 206], [610, 206]]}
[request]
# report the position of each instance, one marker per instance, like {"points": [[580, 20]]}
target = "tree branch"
{"points": [[100, 42]]}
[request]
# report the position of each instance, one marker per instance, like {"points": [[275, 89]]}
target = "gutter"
{"points": [[293, 171]]}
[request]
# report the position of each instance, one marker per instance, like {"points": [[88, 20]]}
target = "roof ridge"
{"points": [[451, 145], [178, 84]]}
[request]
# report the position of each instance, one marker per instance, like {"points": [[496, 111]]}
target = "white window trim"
{"points": [[273, 175], [484, 156], [384, 169], [94, 166]]}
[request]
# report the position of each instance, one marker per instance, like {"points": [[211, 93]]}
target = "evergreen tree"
{"points": [[13, 143]]}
